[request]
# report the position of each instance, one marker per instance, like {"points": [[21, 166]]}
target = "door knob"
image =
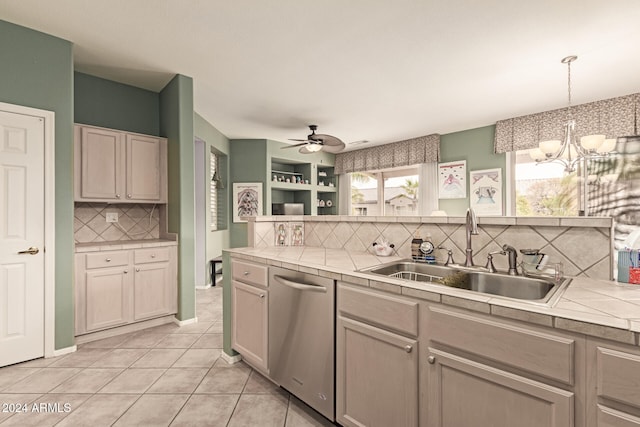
{"points": [[30, 251]]}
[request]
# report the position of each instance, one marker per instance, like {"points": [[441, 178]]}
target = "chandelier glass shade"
{"points": [[568, 151]]}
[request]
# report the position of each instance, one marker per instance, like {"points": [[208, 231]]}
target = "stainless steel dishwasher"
{"points": [[302, 337]]}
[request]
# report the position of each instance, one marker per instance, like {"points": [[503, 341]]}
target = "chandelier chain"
{"points": [[569, 88]]}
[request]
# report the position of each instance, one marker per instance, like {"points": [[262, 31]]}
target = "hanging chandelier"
{"points": [[569, 152]]}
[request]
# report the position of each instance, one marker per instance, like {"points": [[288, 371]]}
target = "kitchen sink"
{"points": [[533, 289]]}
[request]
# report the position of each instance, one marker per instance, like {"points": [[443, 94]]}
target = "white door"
{"points": [[21, 230]]}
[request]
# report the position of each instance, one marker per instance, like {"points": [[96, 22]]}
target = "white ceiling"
{"points": [[376, 70]]}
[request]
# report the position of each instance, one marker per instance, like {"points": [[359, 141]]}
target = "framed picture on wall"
{"points": [[452, 180], [486, 191], [247, 200]]}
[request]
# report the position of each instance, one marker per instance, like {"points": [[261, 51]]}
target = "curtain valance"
{"points": [[423, 149], [613, 117]]}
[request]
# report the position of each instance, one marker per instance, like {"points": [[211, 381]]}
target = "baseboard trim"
{"points": [[231, 360], [63, 351], [133, 327], [185, 322]]}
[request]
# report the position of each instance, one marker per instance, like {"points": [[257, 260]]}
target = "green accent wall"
{"points": [[37, 71], [476, 147], [213, 139], [247, 163], [101, 102], [176, 124]]}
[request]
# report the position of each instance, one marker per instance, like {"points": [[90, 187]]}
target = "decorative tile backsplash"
{"points": [[135, 222], [583, 250]]}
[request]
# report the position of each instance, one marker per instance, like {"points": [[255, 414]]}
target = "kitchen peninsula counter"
{"points": [[599, 308]]}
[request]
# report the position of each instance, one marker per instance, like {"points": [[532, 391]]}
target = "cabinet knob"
{"points": [[153, 255], [408, 348], [128, 196], [246, 273], [117, 196], [126, 271], [431, 360], [108, 260], [261, 295], [137, 269]]}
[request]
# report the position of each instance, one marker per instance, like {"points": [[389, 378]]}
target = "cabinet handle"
{"points": [[108, 260], [137, 269], [246, 273], [117, 196], [408, 348], [431, 360], [261, 295], [128, 196], [153, 255], [126, 271]]}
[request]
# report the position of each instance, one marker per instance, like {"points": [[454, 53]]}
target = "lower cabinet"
{"points": [[250, 323], [377, 376], [376, 358], [115, 288], [482, 370], [107, 298], [152, 297], [462, 392], [250, 312], [614, 385]]}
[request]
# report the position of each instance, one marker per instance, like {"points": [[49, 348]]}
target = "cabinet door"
{"points": [[108, 296], [250, 323], [101, 161], [144, 168], [376, 376], [152, 290], [462, 392]]}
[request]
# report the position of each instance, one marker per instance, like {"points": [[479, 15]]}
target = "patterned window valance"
{"points": [[413, 151], [613, 117]]}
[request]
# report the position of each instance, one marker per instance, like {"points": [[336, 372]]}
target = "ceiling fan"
{"points": [[317, 141]]}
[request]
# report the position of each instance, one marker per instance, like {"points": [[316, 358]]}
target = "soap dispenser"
{"points": [[415, 246]]}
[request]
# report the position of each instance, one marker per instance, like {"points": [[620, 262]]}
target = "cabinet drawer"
{"points": [[388, 311], [618, 376], [247, 272], [107, 259], [142, 256], [526, 348]]}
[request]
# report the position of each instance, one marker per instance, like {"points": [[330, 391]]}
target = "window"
{"points": [[385, 193], [545, 189], [213, 190]]}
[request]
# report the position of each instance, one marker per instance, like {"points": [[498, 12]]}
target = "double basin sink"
{"points": [[532, 289]]}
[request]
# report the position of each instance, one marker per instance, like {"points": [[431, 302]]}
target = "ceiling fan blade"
{"points": [[295, 145], [333, 148], [328, 139], [301, 140]]}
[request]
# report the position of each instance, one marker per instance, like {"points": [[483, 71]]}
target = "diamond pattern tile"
{"points": [[562, 244], [90, 223]]}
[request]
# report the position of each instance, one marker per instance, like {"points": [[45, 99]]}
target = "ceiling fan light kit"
{"points": [[318, 142], [569, 151]]}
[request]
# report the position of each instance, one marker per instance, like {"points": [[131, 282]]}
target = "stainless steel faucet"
{"points": [[471, 228], [513, 259]]}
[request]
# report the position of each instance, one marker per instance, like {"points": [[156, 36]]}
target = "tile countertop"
{"points": [[123, 244], [599, 308]]}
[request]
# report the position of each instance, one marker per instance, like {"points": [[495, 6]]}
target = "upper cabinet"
{"points": [[116, 166]]}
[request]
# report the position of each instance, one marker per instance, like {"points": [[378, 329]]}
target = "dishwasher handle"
{"points": [[300, 286]]}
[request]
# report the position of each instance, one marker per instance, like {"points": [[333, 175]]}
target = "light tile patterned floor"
{"points": [[167, 375]]}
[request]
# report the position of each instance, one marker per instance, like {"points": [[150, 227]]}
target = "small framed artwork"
{"points": [[281, 233], [247, 200], [297, 234], [452, 180], [486, 191]]}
